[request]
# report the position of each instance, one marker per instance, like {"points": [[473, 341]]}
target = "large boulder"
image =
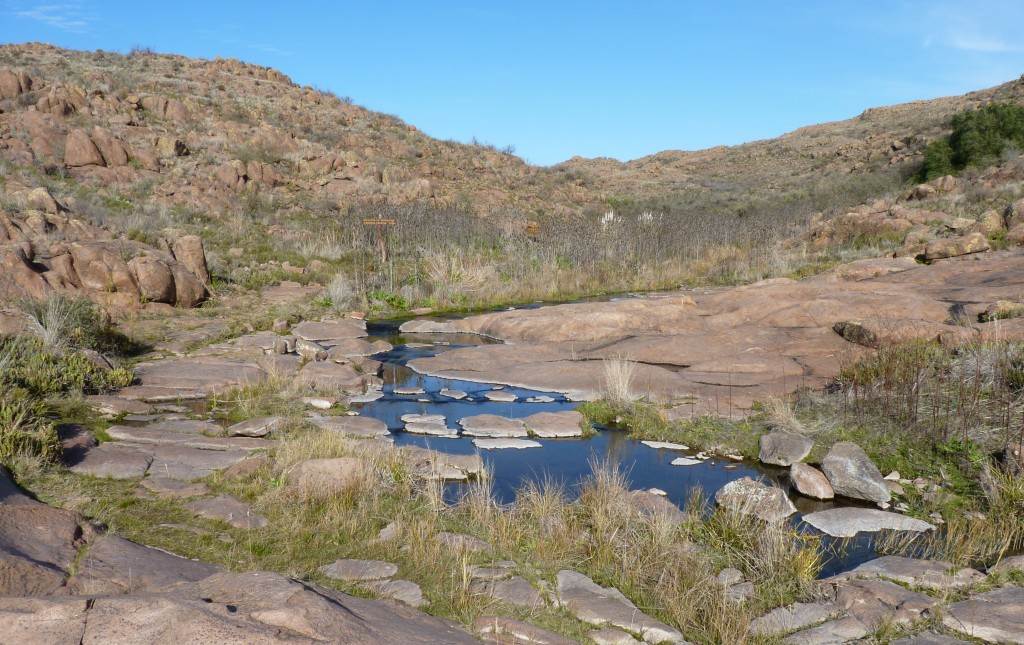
{"points": [[79, 150], [154, 277], [751, 497], [188, 250], [783, 448], [13, 84], [809, 481], [852, 473], [955, 246]]}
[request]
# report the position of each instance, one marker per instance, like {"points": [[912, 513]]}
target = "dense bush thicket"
{"points": [[979, 138], [39, 367]]}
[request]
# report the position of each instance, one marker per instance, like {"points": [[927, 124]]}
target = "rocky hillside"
{"points": [[880, 140], [197, 132], [112, 166]]}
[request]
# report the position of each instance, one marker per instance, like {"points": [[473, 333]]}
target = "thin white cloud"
{"points": [[974, 42], [71, 16]]}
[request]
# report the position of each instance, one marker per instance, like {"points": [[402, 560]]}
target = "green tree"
{"points": [[979, 137]]}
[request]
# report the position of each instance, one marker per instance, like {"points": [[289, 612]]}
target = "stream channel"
{"points": [[565, 461]]}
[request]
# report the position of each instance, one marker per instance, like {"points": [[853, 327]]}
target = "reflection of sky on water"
{"points": [[565, 461]]}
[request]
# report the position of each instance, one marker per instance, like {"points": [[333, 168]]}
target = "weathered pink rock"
{"points": [[79, 150], [810, 481]]}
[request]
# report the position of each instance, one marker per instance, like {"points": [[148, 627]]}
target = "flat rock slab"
{"points": [[685, 461], [258, 427], [501, 396], [159, 394], [207, 374], [931, 574], [404, 591], [848, 522], [423, 418], [111, 406], [173, 488], [228, 509], [353, 426], [611, 637], [491, 425], [552, 425], [329, 330], [252, 608], [188, 464], [113, 565], [432, 428], [601, 606], [354, 570], [876, 602], [38, 544], [507, 631], [929, 639], [503, 444], [840, 630], [327, 376], [114, 461], [515, 591], [664, 445], [797, 616], [458, 395], [409, 391], [435, 465], [995, 616], [156, 435]]}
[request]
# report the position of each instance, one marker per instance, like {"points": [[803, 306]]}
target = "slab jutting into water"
{"points": [[496, 444], [458, 395], [847, 522], [409, 391], [501, 397], [551, 425], [685, 461], [667, 445]]}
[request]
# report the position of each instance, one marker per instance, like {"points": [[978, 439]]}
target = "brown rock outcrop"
{"points": [[79, 150]]}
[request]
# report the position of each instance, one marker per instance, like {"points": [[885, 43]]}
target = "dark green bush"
{"points": [[30, 366], [979, 137]]}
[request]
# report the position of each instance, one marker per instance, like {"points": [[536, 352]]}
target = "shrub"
{"points": [[23, 431], [979, 138]]}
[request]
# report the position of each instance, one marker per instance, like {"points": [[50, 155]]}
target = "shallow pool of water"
{"points": [[564, 461]]}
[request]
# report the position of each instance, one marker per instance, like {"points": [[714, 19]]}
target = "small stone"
{"points": [[259, 427], [894, 476], [657, 491], [319, 402], [388, 533], [280, 325], [730, 576], [740, 592]]}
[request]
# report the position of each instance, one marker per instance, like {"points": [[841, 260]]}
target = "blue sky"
{"points": [[557, 79]]}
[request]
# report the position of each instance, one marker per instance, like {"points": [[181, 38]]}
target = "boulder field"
{"points": [[716, 351]]}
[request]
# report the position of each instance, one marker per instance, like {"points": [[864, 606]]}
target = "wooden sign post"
{"points": [[380, 222]]}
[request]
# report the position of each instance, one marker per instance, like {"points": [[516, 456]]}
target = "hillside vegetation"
{"points": [[276, 181]]}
